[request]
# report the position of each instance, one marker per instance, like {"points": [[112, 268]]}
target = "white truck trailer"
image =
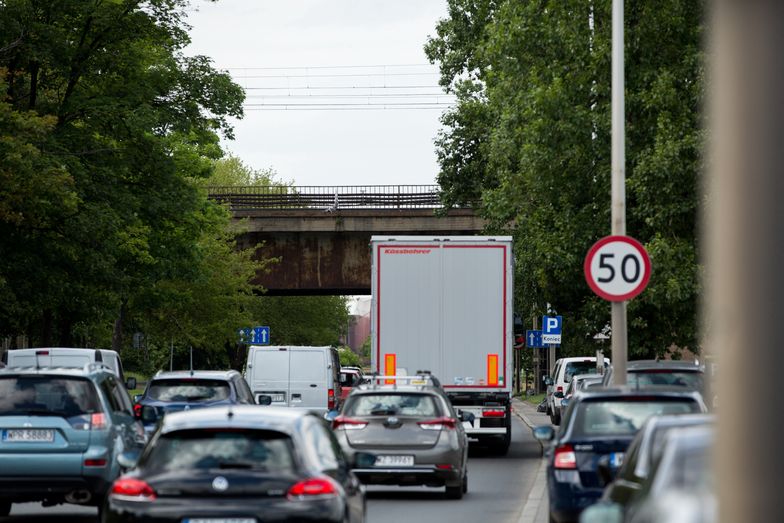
{"points": [[444, 305]]}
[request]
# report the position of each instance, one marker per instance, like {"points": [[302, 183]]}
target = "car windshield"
{"points": [[642, 378], [623, 416], [579, 367], [267, 451], [392, 404], [188, 389], [47, 395]]}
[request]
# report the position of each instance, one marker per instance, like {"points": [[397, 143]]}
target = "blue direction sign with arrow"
{"points": [[533, 339], [261, 336]]}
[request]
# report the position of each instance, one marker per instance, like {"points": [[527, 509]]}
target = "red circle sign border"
{"points": [[592, 252]]}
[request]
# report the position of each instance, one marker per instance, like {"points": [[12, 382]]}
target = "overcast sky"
{"points": [[329, 147]]}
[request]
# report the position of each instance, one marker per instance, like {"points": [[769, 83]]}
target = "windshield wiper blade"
{"points": [[237, 465]]}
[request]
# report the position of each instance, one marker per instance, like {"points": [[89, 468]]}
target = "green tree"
{"points": [[121, 121], [530, 140]]}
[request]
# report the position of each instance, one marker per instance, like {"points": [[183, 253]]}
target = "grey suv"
{"points": [[61, 431], [409, 424]]}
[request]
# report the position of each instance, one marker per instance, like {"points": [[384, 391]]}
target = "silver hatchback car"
{"points": [[410, 426]]}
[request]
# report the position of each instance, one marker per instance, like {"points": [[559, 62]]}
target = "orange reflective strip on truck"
{"points": [[492, 370], [390, 367]]}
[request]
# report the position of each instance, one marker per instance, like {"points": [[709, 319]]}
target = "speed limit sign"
{"points": [[617, 268]]}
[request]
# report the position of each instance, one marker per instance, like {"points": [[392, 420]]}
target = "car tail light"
{"points": [[313, 487], [131, 489], [493, 413], [95, 463], [437, 424], [331, 399], [98, 421], [444, 466], [565, 457], [559, 389], [348, 423], [137, 411]]}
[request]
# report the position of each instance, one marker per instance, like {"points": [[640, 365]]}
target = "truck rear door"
{"points": [[269, 375], [308, 378]]}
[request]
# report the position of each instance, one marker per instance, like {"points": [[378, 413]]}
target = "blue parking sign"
{"points": [[552, 328]]}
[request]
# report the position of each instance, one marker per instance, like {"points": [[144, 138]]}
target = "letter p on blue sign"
{"points": [[552, 324]]}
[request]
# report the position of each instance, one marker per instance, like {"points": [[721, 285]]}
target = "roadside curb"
{"points": [[536, 504]]}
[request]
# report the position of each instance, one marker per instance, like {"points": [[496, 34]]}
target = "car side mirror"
{"points": [[149, 414], [602, 513], [544, 433], [264, 400], [466, 417], [130, 383], [364, 460], [137, 398], [129, 459], [331, 415], [547, 380], [558, 394]]}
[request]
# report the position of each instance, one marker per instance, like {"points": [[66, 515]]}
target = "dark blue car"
{"points": [[185, 390], [590, 447]]}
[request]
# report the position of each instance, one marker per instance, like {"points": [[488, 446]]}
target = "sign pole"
{"points": [[619, 340]]}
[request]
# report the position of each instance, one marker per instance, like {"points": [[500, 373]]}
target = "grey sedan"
{"points": [[412, 429]]}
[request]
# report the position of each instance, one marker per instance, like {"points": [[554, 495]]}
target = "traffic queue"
{"points": [[636, 453], [216, 446]]}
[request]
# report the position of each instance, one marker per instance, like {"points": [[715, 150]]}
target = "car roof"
{"points": [[58, 350], [88, 370], [195, 374], [663, 364], [631, 390], [280, 419], [581, 377]]}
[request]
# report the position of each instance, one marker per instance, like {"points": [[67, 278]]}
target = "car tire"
{"points": [[5, 508], [454, 491], [502, 444], [465, 483], [555, 419]]}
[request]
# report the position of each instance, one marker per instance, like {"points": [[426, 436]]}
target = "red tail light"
{"points": [[131, 489], [313, 487], [98, 421], [331, 399], [559, 389], [348, 423], [565, 457], [95, 463], [494, 413], [444, 466], [437, 424], [137, 411]]}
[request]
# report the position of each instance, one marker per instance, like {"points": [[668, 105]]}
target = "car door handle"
{"points": [[313, 385]]}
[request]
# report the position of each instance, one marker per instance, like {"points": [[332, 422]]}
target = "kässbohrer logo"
{"points": [[407, 251]]}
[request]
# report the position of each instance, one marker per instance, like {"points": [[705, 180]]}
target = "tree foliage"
{"points": [[530, 140]]}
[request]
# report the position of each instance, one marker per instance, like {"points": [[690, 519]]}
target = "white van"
{"points": [[68, 357], [298, 377], [564, 369]]}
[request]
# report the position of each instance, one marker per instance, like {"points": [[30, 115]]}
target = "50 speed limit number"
{"points": [[617, 268]]}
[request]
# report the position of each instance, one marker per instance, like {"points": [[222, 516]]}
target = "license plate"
{"points": [[616, 459], [394, 461], [219, 520], [34, 435]]}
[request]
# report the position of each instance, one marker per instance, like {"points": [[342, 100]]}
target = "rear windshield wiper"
{"points": [[240, 465], [383, 412]]}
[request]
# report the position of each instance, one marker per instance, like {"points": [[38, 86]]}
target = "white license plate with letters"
{"points": [[28, 435], [394, 461]]}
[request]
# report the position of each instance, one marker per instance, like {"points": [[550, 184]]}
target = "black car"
{"points": [[242, 464], [671, 373], [186, 390], [598, 428], [644, 450]]}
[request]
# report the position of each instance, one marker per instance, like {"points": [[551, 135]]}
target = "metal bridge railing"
{"points": [[328, 198]]}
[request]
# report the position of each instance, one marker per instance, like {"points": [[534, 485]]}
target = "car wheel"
{"points": [[465, 483], [5, 508], [555, 419], [454, 491], [501, 445]]}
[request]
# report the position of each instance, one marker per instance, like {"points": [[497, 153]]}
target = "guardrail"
{"points": [[328, 198]]}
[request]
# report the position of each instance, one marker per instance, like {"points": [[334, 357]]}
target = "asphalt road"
{"points": [[497, 490]]}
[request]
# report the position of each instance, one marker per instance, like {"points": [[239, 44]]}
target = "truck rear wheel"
{"points": [[501, 445]]}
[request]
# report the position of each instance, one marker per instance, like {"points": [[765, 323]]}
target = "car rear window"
{"points": [[349, 379], [625, 416], [642, 378], [47, 395], [267, 451], [392, 404], [189, 390], [574, 368]]}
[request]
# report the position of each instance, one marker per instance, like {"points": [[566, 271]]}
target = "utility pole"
{"points": [[744, 223], [618, 322]]}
